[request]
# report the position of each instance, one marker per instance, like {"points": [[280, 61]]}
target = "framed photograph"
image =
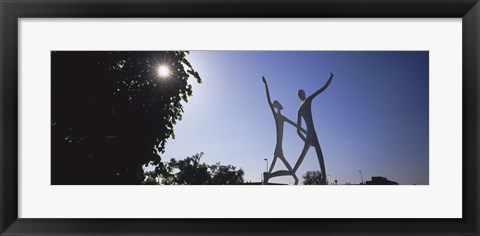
{"points": [[239, 117]]}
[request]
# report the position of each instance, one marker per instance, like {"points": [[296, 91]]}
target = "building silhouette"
{"points": [[379, 180]]}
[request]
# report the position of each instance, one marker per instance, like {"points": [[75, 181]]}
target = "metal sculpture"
{"points": [[309, 136]]}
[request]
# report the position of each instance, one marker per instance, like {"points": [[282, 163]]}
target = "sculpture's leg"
{"points": [[289, 168], [318, 150], [266, 177], [273, 163], [296, 178], [300, 159], [285, 162]]}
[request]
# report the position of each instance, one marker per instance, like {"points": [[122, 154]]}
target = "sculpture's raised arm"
{"points": [[323, 88], [268, 93]]}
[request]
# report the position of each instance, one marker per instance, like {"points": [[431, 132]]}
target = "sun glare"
{"points": [[163, 71]]}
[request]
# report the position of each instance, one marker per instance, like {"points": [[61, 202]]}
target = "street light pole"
{"points": [[267, 163], [361, 177]]}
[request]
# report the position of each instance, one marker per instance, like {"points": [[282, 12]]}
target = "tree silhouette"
{"points": [[228, 174], [112, 113], [312, 178], [190, 171]]}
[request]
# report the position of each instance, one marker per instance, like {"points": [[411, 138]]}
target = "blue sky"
{"points": [[373, 117]]}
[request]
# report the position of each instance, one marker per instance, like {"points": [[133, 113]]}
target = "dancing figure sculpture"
{"points": [[280, 119], [310, 139]]}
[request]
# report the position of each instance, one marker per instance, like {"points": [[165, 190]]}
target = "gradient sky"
{"points": [[373, 117]]}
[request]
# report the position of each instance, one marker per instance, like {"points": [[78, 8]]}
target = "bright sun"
{"points": [[163, 71]]}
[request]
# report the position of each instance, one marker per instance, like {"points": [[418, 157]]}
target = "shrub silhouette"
{"points": [[312, 178], [190, 171]]}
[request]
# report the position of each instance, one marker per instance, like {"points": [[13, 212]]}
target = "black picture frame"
{"points": [[12, 10]]}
